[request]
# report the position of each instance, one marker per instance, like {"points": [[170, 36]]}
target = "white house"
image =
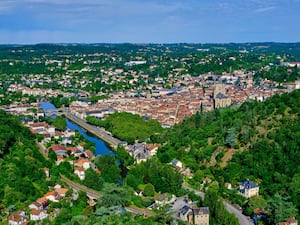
{"points": [[38, 215], [35, 205], [80, 173], [17, 218]]}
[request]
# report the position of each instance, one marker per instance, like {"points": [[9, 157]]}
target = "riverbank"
{"points": [[102, 144], [113, 142]]}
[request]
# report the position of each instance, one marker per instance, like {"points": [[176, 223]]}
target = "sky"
{"points": [[149, 21]]}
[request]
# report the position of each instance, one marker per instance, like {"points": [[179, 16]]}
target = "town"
{"points": [[165, 83]]}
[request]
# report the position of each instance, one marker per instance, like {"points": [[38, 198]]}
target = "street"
{"points": [[230, 208]]}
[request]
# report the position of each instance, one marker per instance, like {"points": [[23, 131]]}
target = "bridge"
{"points": [[54, 112]]}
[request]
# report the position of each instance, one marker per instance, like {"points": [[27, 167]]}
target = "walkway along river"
{"points": [[101, 147]]}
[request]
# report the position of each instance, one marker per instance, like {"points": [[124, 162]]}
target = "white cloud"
{"points": [[264, 9]]}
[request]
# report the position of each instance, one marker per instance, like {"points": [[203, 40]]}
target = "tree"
{"points": [[217, 209], [93, 180], [60, 123], [124, 157], [52, 155], [294, 188], [254, 203], [108, 167], [132, 181], [149, 190], [230, 138], [114, 195], [279, 208]]}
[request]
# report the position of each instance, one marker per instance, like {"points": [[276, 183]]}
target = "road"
{"points": [[78, 187], [241, 217], [42, 149], [102, 134], [95, 195], [139, 211]]}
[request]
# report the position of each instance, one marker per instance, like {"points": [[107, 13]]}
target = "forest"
{"points": [[22, 177], [128, 127]]}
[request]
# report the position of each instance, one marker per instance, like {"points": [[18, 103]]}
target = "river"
{"points": [[101, 147]]}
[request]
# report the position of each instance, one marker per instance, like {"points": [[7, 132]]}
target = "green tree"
{"points": [[52, 155], [114, 195], [93, 180], [149, 190], [254, 203], [230, 138], [109, 168], [124, 157], [60, 123], [279, 208]]}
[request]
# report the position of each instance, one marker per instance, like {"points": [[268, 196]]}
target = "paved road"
{"points": [[197, 192], [241, 217]]}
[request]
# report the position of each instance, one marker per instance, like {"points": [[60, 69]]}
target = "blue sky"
{"points": [[149, 21]]}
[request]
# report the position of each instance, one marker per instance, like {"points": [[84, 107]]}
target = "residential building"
{"points": [[248, 188], [17, 218], [38, 215], [201, 216], [289, 221]]}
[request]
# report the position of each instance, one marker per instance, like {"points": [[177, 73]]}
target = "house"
{"points": [[61, 191], [60, 158], [248, 188], [38, 215], [289, 221], [59, 150], [89, 154], [83, 163], [47, 172], [80, 173], [43, 201], [35, 205], [292, 221], [52, 196], [258, 214], [228, 186], [184, 213], [152, 148], [17, 218], [139, 152], [139, 192], [66, 141], [201, 216], [69, 133], [177, 164]]}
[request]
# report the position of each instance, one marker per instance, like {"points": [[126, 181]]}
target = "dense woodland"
{"points": [[128, 127], [22, 177]]}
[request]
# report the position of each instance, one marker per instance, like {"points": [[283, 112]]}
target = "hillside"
{"points": [[22, 177], [264, 138]]}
